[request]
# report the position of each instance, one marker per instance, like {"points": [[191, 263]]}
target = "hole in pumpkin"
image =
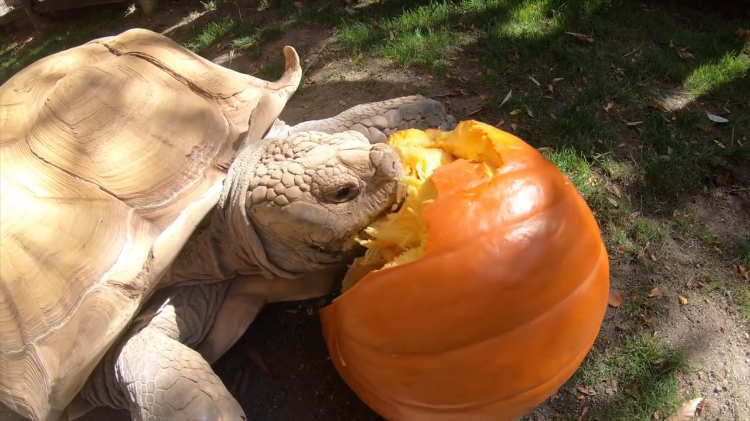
{"points": [[399, 237]]}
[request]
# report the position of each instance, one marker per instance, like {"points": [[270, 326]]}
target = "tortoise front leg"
{"points": [[249, 294], [155, 374], [377, 120]]}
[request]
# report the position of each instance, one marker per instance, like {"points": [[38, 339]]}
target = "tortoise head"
{"points": [[309, 194]]}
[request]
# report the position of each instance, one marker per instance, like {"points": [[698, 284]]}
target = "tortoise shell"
{"points": [[111, 153]]}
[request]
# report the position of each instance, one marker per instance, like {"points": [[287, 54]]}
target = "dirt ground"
{"points": [[301, 382]]}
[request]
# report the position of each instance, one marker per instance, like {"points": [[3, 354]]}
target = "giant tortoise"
{"points": [[152, 204]]}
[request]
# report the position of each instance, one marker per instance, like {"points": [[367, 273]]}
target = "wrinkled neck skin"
{"points": [[228, 246]]}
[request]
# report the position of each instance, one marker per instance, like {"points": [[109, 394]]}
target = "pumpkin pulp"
{"points": [[399, 237]]}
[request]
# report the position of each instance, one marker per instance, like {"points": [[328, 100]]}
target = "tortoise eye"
{"points": [[345, 194]]}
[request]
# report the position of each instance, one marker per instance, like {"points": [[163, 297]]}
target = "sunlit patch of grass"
{"points": [[708, 76], [210, 34]]}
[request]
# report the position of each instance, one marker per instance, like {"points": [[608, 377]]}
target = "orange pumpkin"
{"points": [[501, 300]]}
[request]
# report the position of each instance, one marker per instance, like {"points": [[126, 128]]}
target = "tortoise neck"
{"points": [[211, 255]]}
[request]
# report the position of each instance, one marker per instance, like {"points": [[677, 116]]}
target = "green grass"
{"points": [[742, 302], [634, 61], [209, 35], [641, 371]]}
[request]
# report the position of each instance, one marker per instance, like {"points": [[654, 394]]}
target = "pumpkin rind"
{"points": [[110, 154], [498, 313]]}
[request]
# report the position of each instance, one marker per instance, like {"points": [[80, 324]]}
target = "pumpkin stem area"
{"points": [[399, 237]]}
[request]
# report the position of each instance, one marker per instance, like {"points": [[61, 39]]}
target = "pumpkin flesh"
{"points": [[482, 295]]}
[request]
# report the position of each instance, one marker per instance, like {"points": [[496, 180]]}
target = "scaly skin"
{"points": [[377, 120], [290, 204]]}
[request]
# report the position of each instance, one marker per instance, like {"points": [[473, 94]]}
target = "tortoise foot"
{"points": [[165, 380]]}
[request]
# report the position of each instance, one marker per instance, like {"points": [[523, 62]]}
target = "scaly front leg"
{"points": [[155, 374], [377, 120], [249, 294]]}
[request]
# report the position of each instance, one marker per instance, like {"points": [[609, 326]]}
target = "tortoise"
{"points": [[152, 204]]}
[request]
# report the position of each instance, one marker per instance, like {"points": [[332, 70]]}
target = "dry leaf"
{"points": [[634, 123], [391, 35], [584, 411], [686, 411], [744, 33], [615, 299], [656, 293], [743, 271], [514, 112], [513, 126], [683, 300], [550, 88], [716, 118], [350, 11], [342, 102], [507, 98], [612, 202], [616, 191], [455, 92], [254, 355], [719, 144], [299, 5], [683, 53], [653, 258], [581, 37], [608, 106], [557, 79], [535, 81], [478, 110], [647, 319], [500, 123], [586, 390]]}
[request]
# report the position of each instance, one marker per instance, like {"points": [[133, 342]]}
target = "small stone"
{"points": [[270, 195], [276, 174], [279, 188], [261, 170]]}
